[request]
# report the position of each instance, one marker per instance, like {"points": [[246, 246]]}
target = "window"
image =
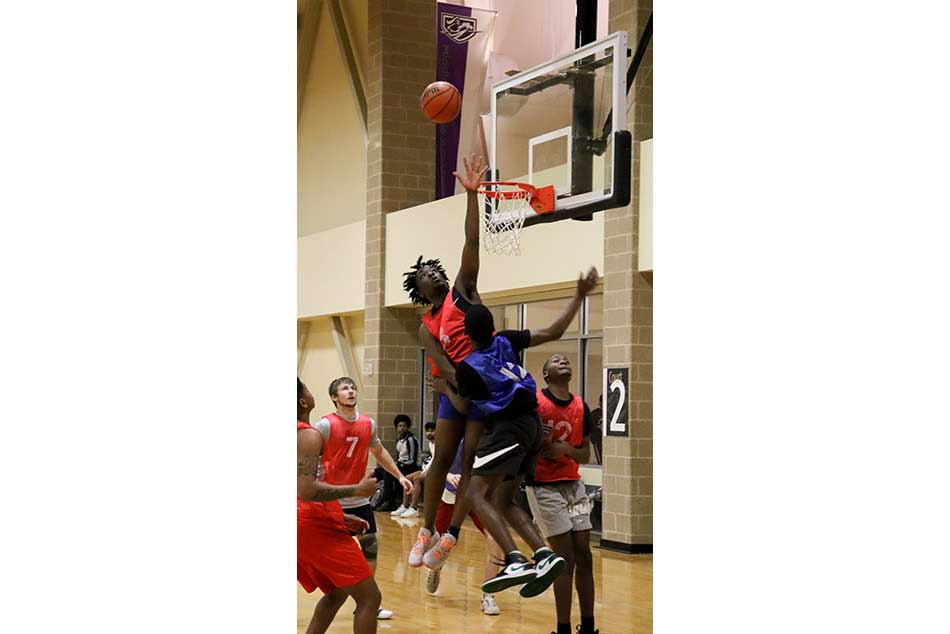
{"points": [[582, 343]]}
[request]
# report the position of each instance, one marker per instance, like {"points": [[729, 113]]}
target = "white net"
{"points": [[504, 209]]}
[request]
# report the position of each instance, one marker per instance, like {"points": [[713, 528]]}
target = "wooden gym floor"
{"points": [[624, 595]]}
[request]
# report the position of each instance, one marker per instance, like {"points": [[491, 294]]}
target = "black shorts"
{"points": [[406, 469], [364, 512], [509, 446]]}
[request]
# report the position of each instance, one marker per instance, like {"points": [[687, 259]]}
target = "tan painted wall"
{"points": [[321, 361], [551, 254], [331, 142], [645, 240], [331, 271]]}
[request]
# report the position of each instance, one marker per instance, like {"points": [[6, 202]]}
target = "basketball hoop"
{"points": [[505, 205]]}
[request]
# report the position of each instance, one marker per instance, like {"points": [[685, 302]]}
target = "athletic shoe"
{"points": [[411, 512], [432, 581], [577, 630], [436, 557], [399, 511], [489, 606], [514, 574], [382, 614], [547, 569], [424, 541]]}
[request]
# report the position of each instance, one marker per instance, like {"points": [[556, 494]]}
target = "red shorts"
{"points": [[327, 557], [444, 515]]}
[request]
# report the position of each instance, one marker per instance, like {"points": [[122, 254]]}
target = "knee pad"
{"points": [[369, 546]]}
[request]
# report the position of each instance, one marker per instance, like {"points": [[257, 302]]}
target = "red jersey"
{"points": [[561, 424], [448, 327], [346, 447], [328, 513]]}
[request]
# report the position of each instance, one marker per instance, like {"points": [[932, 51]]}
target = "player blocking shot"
{"points": [[557, 496], [519, 339], [327, 556], [442, 333], [491, 379], [348, 439]]}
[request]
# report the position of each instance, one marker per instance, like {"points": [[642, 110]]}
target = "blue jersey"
{"points": [[498, 368]]}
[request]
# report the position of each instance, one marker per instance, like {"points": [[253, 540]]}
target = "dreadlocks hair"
{"points": [[410, 282]]}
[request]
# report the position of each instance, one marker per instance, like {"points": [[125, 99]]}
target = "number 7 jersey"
{"points": [[346, 448]]}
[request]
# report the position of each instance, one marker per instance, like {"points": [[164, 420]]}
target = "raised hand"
{"points": [[586, 283], [474, 170]]}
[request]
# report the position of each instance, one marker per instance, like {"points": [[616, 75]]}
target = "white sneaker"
{"points": [[411, 512], [382, 614], [548, 567], [398, 512], [489, 606], [424, 541], [432, 581]]}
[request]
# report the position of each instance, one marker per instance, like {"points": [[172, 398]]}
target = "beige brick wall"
{"points": [[400, 173], [628, 318]]}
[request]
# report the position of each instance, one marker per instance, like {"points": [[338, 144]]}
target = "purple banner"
{"points": [[455, 27]]}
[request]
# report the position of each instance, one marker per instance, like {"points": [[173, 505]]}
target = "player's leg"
{"points": [[448, 432], [584, 579], [442, 517], [410, 500], [517, 569], [474, 429], [563, 545], [550, 509], [367, 597], [449, 536], [369, 545], [326, 610], [493, 558]]}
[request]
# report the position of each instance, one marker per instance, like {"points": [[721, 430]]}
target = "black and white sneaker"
{"points": [[514, 574], [547, 568]]}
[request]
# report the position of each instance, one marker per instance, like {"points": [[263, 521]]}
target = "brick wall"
{"points": [[628, 318], [400, 173]]}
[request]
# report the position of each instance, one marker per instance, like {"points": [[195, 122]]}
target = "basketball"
{"points": [[441, 102]]}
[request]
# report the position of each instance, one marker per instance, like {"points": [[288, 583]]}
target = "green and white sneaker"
{"points": [[547, 567], [514, 574]]}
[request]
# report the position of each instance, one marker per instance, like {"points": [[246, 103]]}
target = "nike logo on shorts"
{"points": [[484, 460]]}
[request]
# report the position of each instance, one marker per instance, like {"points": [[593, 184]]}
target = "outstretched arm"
{"points": [[467, 279], [309, 463], [585, 285]]}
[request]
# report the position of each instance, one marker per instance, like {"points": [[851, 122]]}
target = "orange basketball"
{"points": [[441, 102]]}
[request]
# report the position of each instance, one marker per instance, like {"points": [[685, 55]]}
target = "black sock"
{"points": [[513, 557], [454, 532], [587, 625], [563, 628]]}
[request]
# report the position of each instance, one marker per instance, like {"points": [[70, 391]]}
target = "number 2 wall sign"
{"points": [[616, 383]]}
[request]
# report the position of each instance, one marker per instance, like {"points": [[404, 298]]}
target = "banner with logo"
{"points": [[462, 49]]}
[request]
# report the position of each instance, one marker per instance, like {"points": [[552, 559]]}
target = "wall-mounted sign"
{"points": [[616, 384]]}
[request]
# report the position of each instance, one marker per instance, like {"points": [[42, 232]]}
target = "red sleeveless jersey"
{"points": [[561, 424], [346, 451], [448, 327], [329, 513]]}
